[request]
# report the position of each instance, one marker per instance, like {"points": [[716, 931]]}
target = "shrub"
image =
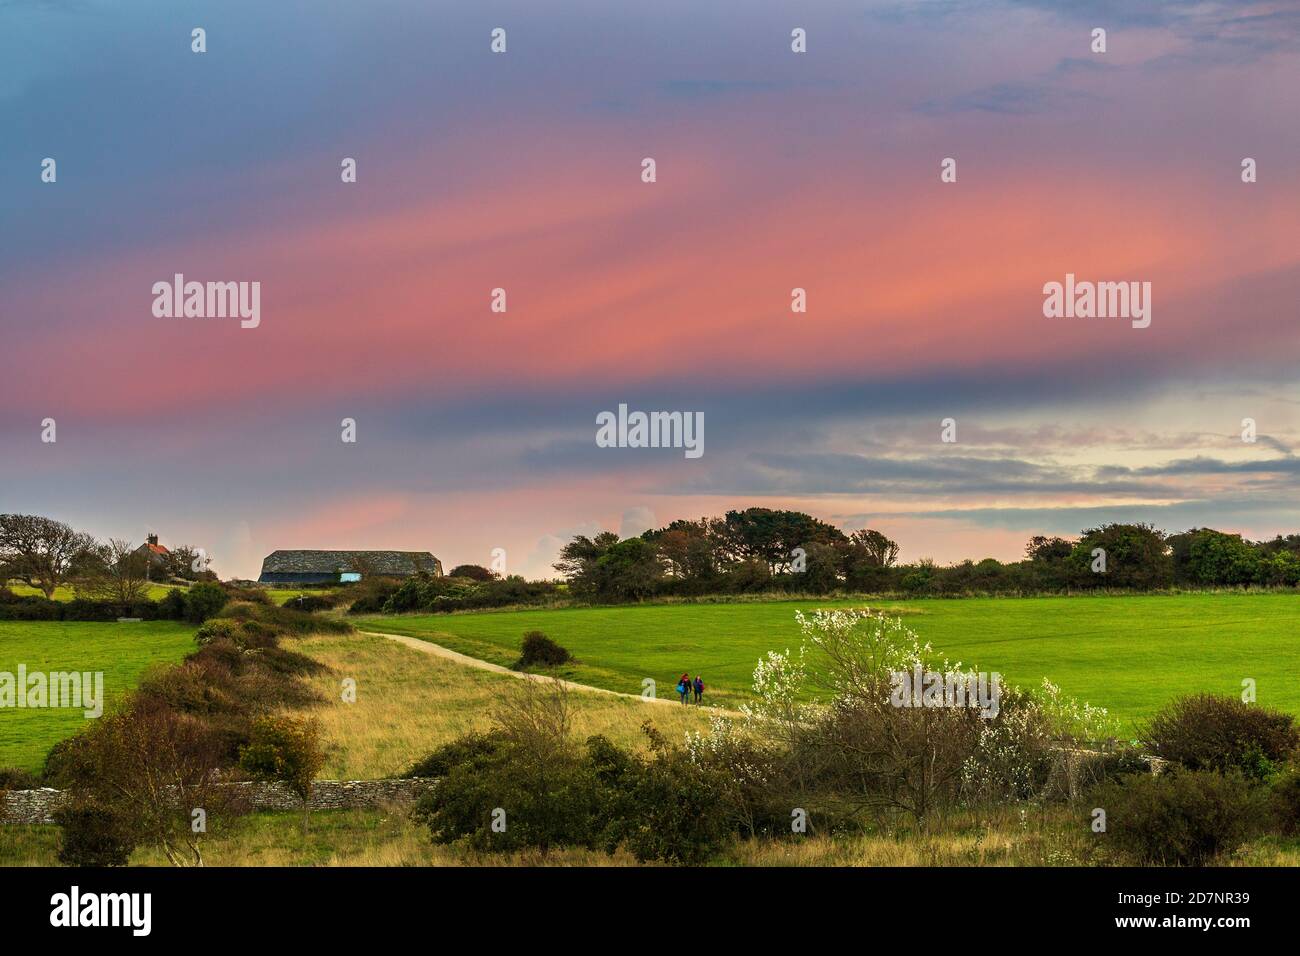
{"points": [[82, 609], [540, 651], [94, 835], [1284, 801], [1181, 817], [218, 629], [1095, 769], [545, 805], [669, 808], [11, 778], [1209, 732], [528, 768], [466, 749], [286, 750], [205, 600], [372, 595], [30, 608], [249, 595], [282, 621], [137, 771], [757, 784], [309, 603], [172, 606]]}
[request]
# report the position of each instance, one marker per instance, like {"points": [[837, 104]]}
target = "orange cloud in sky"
{"points": [[614, 281]]}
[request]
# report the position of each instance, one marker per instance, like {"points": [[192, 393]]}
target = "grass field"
{"points": [[1128, 654], [154, 592], [121, 651], [409, 703]]}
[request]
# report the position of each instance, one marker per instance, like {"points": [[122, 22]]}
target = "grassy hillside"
{"points": [[408, 703], [1129, 654], [121, 651]]}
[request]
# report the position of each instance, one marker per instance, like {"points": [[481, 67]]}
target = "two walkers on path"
{"points": [[686, 687]]}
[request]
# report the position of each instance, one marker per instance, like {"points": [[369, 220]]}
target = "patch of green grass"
{"points": [[1128, 654], [121, 651], [154, 592]]}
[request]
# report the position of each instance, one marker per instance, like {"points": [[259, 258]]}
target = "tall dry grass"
{"points": [[408, 703]]}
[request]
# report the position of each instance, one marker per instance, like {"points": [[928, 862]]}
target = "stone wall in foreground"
{"points": [[38, 806]]}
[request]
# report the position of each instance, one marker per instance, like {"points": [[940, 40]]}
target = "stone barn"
{"points": [[338, 567]]}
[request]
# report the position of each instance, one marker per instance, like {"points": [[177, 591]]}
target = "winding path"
{"points": [[437, 650]]}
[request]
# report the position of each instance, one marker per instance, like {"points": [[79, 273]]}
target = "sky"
{"points": [[522, 170]]}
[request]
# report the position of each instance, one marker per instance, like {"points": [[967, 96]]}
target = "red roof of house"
{"points": [[157, 549]]}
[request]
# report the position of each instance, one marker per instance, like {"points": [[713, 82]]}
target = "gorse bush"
{"points": [[669, 808], [538, 650], [280, 621], [1211, 732], [1181, 817], [94, 834], [203, 601], [528, 769], [173, 606], [462, 750], [554, 793], [371, 594]]}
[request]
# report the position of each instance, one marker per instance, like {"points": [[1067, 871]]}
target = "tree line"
{"points": [[762, 549], [46, 554]]}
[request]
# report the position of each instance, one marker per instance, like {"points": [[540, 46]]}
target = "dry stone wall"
{"points": [[38, 806]]}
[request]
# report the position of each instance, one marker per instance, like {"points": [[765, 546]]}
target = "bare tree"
{"points": [[121, 573], [41, 552], [534, 716]]}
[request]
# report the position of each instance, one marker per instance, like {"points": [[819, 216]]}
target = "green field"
{"points": [[121, 651], [154, 592], [1128, 654]]}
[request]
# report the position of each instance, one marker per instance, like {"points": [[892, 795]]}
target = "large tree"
{"points": [[41, 552], [688, 549], [768, 535], [578, 561], [1044, 549], [873, 548], [1135, 556]]}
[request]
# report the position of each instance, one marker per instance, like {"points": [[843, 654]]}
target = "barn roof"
{"points": [[384, 563]]}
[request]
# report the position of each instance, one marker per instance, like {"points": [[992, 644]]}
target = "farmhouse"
{"points": [[334, 567], [156, 553]]}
